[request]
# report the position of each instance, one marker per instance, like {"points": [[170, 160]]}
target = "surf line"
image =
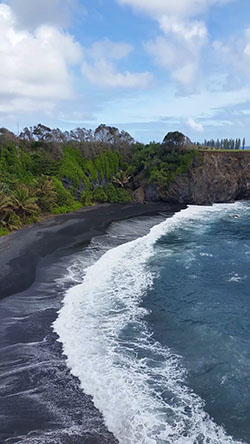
{"points": [[137, 384]]}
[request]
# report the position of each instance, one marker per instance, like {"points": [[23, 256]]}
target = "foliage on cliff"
{"points": [[157, 164], [38, 176], [46, 171]]}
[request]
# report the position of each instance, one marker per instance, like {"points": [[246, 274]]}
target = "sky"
{"points": [[145, 66]]}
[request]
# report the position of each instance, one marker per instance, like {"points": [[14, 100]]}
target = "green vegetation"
{"points": [[42, 175], [159, 165], [46, 171], [225, 144]]}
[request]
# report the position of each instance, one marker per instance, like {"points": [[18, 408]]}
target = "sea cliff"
{"points": [[213, 176]]}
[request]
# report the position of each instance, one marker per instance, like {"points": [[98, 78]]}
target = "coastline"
{"points": [[21, 251]]}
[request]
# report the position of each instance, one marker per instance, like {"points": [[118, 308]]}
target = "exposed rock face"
{"points": [[139, 195], [212, 177]]}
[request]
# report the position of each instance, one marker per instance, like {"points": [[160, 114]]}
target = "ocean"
{"points": [[147, 335]]}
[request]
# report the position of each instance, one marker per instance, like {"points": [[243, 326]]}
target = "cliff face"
{"points": [[217, 176]]}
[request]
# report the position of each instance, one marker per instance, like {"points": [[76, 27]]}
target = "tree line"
{"points": [[48, 171], [90, 142], [226, 144]]}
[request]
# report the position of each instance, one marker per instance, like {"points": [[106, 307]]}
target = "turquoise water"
{"points": [[157, 329]]}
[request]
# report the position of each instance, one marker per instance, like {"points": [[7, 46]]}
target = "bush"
{"points": [[123, 196], [99, 194], [116, 195], [87, 198], [3, 231], [72, 167], [64, 209], [64, 197]]}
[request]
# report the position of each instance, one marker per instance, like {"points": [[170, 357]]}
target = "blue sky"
{"points": [[146, 66]]}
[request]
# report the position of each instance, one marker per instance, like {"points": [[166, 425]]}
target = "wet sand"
{"points": [[41, 402], [21, 251]]}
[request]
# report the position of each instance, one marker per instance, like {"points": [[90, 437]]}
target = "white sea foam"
{"points": [[137, 384], [235, 277]]}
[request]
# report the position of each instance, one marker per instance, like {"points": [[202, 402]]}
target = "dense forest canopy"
{"points": [[47, 171]]}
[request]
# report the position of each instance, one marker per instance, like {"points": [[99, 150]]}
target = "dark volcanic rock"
{"points": [[212, 177], [139, 195]]}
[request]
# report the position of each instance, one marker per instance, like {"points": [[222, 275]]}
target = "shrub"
{"points": [[3, 231], [116, 195], [99, 194], [64, 197], [72, 166], [87, 198], [64, 209]]}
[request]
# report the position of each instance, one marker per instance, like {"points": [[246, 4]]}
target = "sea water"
{"points": [[157, 329]]}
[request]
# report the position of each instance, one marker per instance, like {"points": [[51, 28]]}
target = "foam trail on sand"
{"points": [[136, 383]]}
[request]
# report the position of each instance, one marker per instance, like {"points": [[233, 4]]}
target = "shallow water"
{"points": [[157, 329]]}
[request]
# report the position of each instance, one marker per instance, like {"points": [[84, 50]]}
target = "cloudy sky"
{"points": [[146, 66]]}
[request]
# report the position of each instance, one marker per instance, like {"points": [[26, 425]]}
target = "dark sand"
{"points": [[41, 402], [21, 251]]}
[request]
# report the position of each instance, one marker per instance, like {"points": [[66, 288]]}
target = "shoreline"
{"points": [[21, 251]]}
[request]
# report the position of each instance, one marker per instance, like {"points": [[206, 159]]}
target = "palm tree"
{"points": [[4, 188], [121, 179], [5, 207], [6, 211], [12, 222], [45, 193], [24, 205]]}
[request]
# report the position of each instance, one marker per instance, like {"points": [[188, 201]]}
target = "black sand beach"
{"points": [[41, 402], [21, 251]]}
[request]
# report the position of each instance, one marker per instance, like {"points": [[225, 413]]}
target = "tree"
{"points": [[27, 134], [41, 132], [5, 206], [106, 134], [9, 220], [6, 136], [45, 193], [243, 143], [121, 179], [24, 205], [125, 137], [176, 141]]}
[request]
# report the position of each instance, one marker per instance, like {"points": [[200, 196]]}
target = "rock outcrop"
{"points": [[218, 176]]}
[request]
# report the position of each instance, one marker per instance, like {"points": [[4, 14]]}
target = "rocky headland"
{"points": [[213, 177]]}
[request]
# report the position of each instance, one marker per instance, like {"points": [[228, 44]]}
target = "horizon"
{"points": [[148, 67]]}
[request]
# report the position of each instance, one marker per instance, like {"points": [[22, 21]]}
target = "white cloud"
{"points": [[35, 67], [196, 126], [178, 8], [110, 50], [179, 50], [29, 14], [183, 39], [236, 54], [159, 104], [99, 67], [193, 32]]}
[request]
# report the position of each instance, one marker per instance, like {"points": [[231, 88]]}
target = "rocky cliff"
{"points": [[214, 176]]}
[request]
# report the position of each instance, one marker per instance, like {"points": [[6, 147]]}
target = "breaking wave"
{"points": [[137, 384]]}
